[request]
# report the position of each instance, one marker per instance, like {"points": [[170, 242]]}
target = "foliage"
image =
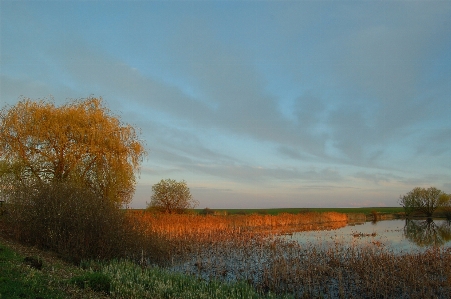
{"points": [[66, 219], [81, 142], [207, 211], [77, 224], [176, 226], [170, 196], [131, 281], [98, 282], [424, 201]]}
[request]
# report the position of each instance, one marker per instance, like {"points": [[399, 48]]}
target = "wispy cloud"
{"points": [[265, 95]]}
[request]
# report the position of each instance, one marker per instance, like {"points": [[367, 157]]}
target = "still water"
{"points": [[400, 236]]}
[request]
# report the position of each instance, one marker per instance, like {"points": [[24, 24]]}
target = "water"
{"points": [[400, 236], [261, 261]]}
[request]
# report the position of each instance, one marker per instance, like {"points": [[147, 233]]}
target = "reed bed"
{"points": [[247, 248], [179, 226]]}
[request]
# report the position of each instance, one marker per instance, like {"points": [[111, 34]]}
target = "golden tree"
{"points": [[81, 142]]}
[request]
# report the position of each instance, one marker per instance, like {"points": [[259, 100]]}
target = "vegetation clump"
{"points": [[424, 201], [81, 142], [170, 196], [65, 174], [35, 263], [98, 282]]}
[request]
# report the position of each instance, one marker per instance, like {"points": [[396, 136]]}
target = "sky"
{"points": [[255, 104]]}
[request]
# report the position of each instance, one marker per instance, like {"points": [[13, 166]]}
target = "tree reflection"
{"points": [[427, 233]]}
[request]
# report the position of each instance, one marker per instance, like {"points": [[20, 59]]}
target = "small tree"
{"points": [[170, 196], [423, 200]]}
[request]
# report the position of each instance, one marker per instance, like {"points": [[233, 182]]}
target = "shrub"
{"points": [[66, 219], [35, 263], [96, 281], [76, 223], [207, 211]]}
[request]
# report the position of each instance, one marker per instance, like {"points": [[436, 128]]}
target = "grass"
{"points": [[229, 248], [20, 280], [115, 279], [132, 281], [234, 257]]}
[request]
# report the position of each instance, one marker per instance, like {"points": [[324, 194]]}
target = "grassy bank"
{"points": [[53, 279], [26, 272]]}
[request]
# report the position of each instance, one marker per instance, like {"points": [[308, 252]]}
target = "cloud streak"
{"points": [[268, 96]]}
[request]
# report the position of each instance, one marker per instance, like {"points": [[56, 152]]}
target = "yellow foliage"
{"points": [[80, 141]]}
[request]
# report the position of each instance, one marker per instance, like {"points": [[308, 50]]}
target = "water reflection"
{"points": [[398, 235], [425, 233]]}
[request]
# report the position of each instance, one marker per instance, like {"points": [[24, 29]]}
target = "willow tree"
{"points": [[80, 142]]}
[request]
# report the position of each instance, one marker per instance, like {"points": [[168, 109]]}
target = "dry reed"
{"points": [[246, 248]]}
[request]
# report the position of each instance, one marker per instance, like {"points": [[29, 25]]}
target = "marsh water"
{"points": [[400, 236], [260, 260]]}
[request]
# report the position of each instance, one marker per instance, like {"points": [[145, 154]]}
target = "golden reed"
{"points": [[186, 225]]}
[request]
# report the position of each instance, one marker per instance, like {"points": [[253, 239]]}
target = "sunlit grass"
{"points": [[132, 281]]}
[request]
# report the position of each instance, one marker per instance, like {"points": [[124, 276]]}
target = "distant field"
{"points": [[386, 210]]}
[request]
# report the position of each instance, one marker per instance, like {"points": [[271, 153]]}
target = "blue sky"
{"points": [[256, 104]]}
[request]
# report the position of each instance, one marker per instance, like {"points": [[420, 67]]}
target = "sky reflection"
{"points": [[394, 235]]}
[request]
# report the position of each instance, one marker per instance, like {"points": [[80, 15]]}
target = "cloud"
{"points": [[377, 178], [314, 94]]}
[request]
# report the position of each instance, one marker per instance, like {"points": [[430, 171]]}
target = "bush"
{"points": [[207, 211], [75, 223], [66, 219]]}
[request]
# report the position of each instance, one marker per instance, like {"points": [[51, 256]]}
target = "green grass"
{"points": [[96, 281], [115, 279], [386, 210], [19, 281], [131, 281]]}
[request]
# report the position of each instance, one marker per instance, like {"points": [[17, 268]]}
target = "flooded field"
{"points": [[400, 236], [328, 258]]}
